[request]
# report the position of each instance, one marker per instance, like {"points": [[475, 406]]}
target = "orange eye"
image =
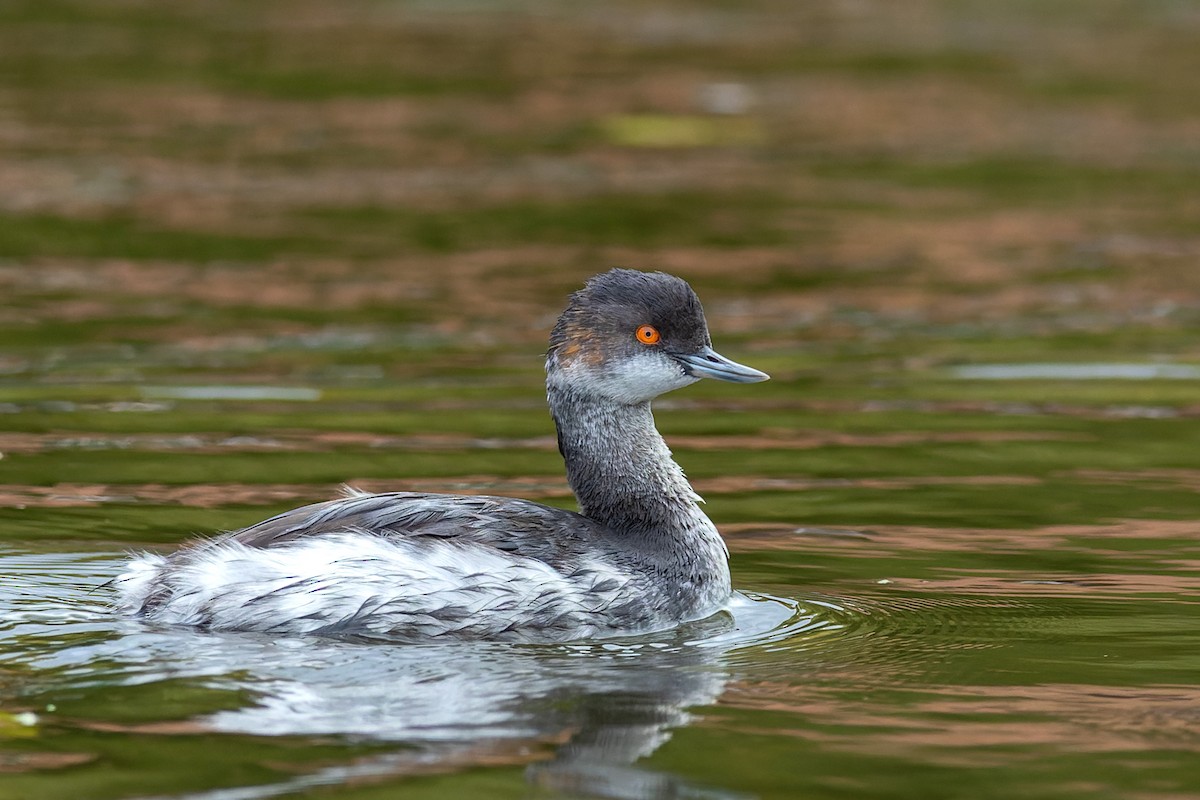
{"points": [[648, 334]]}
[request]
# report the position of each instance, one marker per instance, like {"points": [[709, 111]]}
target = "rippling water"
{"points": [[1058, 682], [576, 710], [250, 251], [935, 599]]}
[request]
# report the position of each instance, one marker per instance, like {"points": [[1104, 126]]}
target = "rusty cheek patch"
{"points": [[580, 348], [568, 353]]}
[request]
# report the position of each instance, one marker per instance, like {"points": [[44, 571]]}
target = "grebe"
{"points": [[639, 556]]}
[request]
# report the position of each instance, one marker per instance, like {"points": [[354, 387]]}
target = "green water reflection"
{"points": [[997, 604], [251, 251]]}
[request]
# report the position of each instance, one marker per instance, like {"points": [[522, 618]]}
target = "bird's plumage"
{"points": [[404, 565]]}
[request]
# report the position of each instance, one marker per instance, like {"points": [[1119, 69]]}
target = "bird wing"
{"points": [[508, 524]]}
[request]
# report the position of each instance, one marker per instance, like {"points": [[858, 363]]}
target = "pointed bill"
{"points": [[708, 363]]}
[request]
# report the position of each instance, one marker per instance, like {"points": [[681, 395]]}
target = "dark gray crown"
{"points": [[618, 301]]}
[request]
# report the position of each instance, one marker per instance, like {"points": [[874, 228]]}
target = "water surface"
{"points": [[252, 250], [897, 627]]}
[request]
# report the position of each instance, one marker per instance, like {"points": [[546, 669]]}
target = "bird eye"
{"points": [[648, 334]]}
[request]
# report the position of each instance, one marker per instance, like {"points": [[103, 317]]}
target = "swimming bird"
{"points": [[640, 555]]}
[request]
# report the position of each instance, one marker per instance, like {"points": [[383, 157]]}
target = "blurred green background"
{"points": [[382, 205], [250, 250], [822, 172]]}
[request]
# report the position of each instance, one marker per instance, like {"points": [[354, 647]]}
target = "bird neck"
{"points": [[619, 467], [624, 478]]}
